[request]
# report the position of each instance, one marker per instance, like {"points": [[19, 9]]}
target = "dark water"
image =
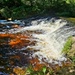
{"points": [[11, 57]]}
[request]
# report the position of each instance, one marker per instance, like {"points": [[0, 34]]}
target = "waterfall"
{"points": [[51, 39]]}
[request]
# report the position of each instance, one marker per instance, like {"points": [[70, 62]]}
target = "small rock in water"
{"points": [[9, 19], [15, 26], [8, 26]]}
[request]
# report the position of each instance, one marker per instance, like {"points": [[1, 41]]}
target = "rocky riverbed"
{"points": [[17, 45]]}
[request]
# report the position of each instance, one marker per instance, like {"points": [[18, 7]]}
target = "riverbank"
{"points": [[69, 19]]}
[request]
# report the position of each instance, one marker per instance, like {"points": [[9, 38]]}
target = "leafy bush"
{"points": [[5, 12], [18, 9], [71, 7]]}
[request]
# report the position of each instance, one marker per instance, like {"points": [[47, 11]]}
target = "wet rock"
{"points": [[15, 26], [1, 73], [36, 64], [19, 71]]}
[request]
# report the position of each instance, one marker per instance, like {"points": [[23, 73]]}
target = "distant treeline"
{"points": [[17, 9]]}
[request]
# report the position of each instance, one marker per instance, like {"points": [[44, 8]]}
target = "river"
{"points": [[23, 40]]}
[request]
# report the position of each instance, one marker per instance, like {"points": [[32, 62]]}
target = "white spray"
{"points": [[50, 41]]}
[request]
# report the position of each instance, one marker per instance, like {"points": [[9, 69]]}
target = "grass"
{"points": [[68, 45], [69, 50]]}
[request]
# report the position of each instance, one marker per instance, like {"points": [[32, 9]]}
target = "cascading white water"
{"points": [[50, 42]]}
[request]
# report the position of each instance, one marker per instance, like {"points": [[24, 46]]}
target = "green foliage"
{"points": [[14, 8], [18, 13], [68, 45], [5, 12], [64, 14], [69, 50], [49, 71], [43, 71], [71, 7]]}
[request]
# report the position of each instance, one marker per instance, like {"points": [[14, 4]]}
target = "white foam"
{"points": [[50, 42]]}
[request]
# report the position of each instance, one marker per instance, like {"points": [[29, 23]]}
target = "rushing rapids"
{"points": [[49, 36]]}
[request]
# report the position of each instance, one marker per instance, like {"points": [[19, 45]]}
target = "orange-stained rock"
{"points": [[19, 41], [7, 35], [19, 71], [67, 64], [16, 40], [36, 64], [11, 62], [34, 60], [13, 36], [11, 74], [15, 57]]}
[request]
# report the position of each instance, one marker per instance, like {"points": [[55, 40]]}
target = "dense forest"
{"points": [[18, 9]]}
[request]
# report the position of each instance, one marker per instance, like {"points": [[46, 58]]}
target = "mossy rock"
{"points": [[69, 19]]}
